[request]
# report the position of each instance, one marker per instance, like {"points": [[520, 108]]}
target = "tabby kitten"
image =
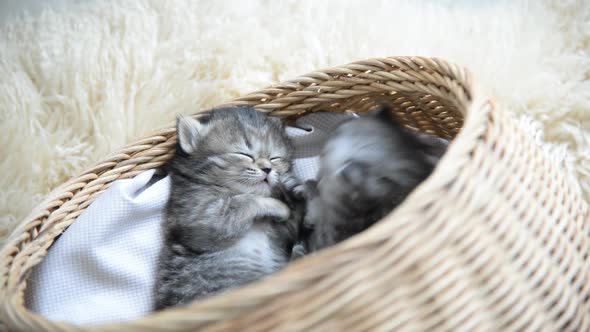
{"points": [[226, 222], [368, 167]]}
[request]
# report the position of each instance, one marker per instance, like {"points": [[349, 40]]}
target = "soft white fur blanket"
{"points": [[80, 82]]}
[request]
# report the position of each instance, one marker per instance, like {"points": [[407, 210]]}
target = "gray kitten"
{"points": [[368, 167], [226, 224]]}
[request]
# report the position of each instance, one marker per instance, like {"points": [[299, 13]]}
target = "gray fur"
{"points": [[368, 167], [226, 225]]}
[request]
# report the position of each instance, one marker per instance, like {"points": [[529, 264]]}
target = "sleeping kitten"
{"points": [[226, 225], [368, 167]]}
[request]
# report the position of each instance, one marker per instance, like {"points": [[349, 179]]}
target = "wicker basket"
{"points": [[494, 240]]}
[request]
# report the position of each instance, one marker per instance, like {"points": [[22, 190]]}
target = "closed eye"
{"points": [[275, 159], [242, 154]]}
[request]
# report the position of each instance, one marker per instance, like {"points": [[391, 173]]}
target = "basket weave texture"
{"points": [[494, 240]]}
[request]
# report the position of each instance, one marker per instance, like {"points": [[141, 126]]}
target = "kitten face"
{"points": [[243, 150], [372, 158]]}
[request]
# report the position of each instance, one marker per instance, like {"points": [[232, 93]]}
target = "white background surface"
{"points": [[10, 8]]}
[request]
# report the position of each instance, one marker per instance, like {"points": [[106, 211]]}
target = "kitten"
{"points": [[226, 224], [367, 167]]}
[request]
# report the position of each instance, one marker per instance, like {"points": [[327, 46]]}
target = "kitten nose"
{"points": [[265, 165]]}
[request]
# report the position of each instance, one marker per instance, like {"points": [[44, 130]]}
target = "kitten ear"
{"points": [[382, 112], [189, 130], [432, 147]]}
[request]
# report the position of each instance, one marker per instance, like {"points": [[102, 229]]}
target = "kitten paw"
{"points": [[292, 185], [300, 191], [273, 208], [298, 251]]}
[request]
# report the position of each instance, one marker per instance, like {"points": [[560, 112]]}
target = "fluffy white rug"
{"points": [[78, 83]]}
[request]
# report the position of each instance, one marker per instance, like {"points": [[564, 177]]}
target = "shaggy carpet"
{"points": [[79, 82]]}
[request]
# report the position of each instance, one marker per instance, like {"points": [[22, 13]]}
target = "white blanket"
{"points": [[102, 268]]}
